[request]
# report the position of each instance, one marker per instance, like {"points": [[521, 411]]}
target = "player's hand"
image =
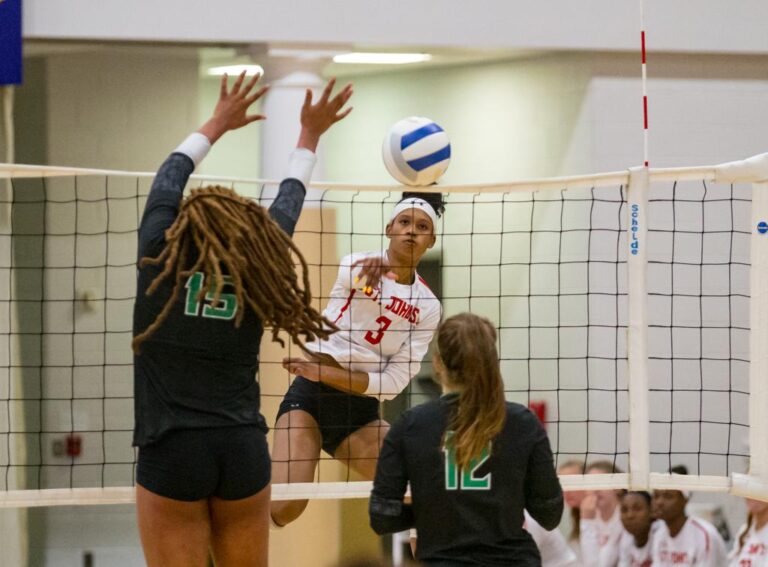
{"points": [[588, 507], [309, 369], [373, 269], [317, 118], [231, 110]]}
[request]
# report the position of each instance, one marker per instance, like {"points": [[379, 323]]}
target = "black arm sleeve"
{"points": [[543, 494], [389, 516], [163, 203], [287, 205], [386, 509]]}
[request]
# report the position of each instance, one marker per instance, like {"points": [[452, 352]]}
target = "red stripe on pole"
{"points": [[642, 42], [645, 112]]}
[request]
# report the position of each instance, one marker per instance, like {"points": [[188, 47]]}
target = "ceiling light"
{"points": [[303, 53], [382, 58], [233, 70]]}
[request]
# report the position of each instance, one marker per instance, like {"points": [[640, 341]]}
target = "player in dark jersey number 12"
{"points": [[474, 462]]}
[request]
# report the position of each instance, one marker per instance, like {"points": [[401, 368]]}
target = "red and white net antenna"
{"points": [[644, 83]]}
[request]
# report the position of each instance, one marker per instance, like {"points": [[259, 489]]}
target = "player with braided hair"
{"points": [[215, 269], [218, 222]]}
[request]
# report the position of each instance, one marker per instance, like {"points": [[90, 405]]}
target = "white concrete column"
{"points": [[13, 536], [280, 131]]}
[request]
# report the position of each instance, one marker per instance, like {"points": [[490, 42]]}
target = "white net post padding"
{"points": [[637, 242], [749, 486], [758, 371], [755, 170]]}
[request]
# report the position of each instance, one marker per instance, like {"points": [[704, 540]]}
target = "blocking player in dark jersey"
{"points": [[474, 462], [214, 269]]}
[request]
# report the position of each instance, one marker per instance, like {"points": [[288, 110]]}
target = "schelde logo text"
{"points": [[634, 245]]}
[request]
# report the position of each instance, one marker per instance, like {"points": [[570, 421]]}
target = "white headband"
{"points": [[415, 203]]}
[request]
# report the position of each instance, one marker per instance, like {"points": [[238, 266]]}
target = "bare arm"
{"points": [[162, 206], [315, 119], [333, 375]]}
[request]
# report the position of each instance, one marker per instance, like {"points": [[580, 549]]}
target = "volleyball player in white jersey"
{"points": [[386, 315], [636, 542], [681, 541], [573, 500], [600, 523], [554, 550], [751, 549]]}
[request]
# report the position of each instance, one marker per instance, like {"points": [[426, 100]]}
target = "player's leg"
{"points": [[173, 532], [240, 505], [240, 530], [295, 455], [175, 476], [360, 450]]}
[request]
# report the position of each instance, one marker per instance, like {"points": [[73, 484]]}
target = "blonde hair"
{"points": [[575, 512], [467, 348]]}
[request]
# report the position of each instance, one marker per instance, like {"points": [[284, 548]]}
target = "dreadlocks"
{"points": [[236, 237]]}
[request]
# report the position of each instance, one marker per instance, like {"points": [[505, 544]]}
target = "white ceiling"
{"points": [[716, 26]]}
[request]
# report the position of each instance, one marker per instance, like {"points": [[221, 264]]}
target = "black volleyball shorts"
{"points": [[338, 413], [230, 463]]}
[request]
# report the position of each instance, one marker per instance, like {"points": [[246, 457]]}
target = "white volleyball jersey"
{"points": [[698, 544], [553, 548], [632, 556], [754, 552], [599, 540], [384, 332]]}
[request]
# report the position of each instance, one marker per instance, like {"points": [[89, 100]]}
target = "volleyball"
{"points": [[416, 151]]}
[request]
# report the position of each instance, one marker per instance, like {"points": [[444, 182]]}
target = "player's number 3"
{"points": [[374, 337]]}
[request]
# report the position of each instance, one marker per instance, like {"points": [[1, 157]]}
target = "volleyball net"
{"points": [[631, 310]]}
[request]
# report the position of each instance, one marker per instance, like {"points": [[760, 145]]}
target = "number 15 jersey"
{"points": [[384, 332]]}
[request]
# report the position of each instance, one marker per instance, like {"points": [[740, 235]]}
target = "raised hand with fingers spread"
{"points": [[317, 118], [231, 110]]}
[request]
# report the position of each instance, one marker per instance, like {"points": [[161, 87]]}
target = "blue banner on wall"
{"points": [[10, 42]]}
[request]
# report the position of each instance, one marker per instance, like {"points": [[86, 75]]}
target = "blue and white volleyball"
{"points": [[416, 151]]}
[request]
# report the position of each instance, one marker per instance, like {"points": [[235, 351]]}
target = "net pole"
{"points": [[637, 340], [644, 83], [758, 368], [637, 273]]}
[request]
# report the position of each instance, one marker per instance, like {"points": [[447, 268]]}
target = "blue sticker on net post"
{"points": [[634, 245], [762, 227], [10, 42]]}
